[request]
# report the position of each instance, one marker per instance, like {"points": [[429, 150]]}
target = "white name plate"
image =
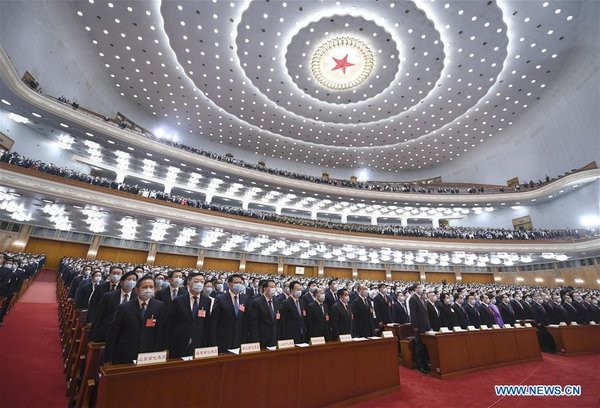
{"points": [[471, 328], [495, 326], [250, 348], [485, 327], [152, 358], [593, 323], [284, 344], [508, 326], [444, 330], [205, 352], [316, 341], [527, 324], [347, 337], [387, 334], [562, 324], [574, 324]]}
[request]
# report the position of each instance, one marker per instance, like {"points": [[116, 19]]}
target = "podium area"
{"points": [[326, 375], [458, 353], [573, 340]]}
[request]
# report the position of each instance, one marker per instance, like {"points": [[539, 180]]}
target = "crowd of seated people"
{"points": [[412, 187], [488, 233], [187, 308], [15, 270]]}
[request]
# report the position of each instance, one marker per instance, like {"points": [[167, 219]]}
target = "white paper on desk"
{"points": [[187, 358], [234, 351], [374, 338], [359, 339], [272, 348], [302, 345], [553, 325], [431, 332], [391, 324]]}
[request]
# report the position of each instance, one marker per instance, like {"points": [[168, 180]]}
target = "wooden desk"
{"points": [[463, 352], [572, 340], [314, 376]]}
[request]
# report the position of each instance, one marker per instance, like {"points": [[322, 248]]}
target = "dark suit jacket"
{"points": [[486, 316], [307, 298], [226, 330], [559, 314], [82, 296], [105, 313], [399, 313], [74, 285], [507, 313], [262, 324], [341, 320], [317, 322], [582, 312], [472, 315], [96, 297], [433, 317], [519, 309], [128, 334], [447, 316], [418, 314], [292, 324], [383, 308], [185, 331], [164, 295], [363, 317], [330, 299], [461, 316], [571, 311], [539, 314]]}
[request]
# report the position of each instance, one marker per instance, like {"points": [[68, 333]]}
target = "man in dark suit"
{"points": [[433, 314], [383, 305], [264, 316], [188, 319], [582, 312], [486, 315], [108, 306], [86, 271], [459, 312], [174, 289], [472, 312], [517, 306], [341, 316], [309, 296], [571, 311], [542, 320], [447, 314], [137, 327], [400, 311], [362, 311], [85, 290], [218, 284], [253, 289], [331, 293], [559, 314], [506, 311], [317, 317], [420, 324], [227, 325], [293, 312], [114, 277]]}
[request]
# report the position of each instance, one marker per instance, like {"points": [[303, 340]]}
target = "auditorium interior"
{"points": [[309, 203]]}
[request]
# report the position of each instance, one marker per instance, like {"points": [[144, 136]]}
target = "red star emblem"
{"points": [[342, 64]]}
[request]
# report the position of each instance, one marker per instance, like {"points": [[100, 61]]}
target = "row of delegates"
{"points": [[15, 269]]}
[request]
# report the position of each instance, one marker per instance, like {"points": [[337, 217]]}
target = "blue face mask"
{"points": [[238, 288]]}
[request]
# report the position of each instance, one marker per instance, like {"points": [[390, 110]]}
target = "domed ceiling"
{"points": [[389, 85]]}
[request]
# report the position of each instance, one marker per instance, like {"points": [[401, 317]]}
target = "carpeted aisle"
{"points": [[476, 390], [31, 367]]}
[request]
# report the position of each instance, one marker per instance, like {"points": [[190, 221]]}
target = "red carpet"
{"points": [[30, 353], [476, 390]]}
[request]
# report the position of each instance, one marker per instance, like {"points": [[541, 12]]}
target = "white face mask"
{"points": [[146, 294], [197, 287], [272, 291], [97, 279], [129, 285], [177, 282], [297, 294], [320, 297], [115, 278]]}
